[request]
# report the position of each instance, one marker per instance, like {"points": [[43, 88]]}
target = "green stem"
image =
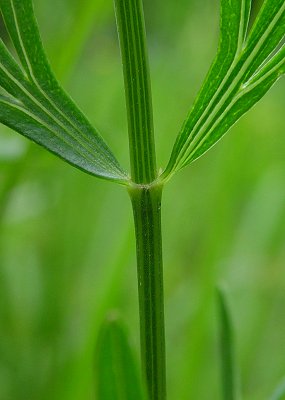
{"points": [[132, 37], [145, 192], [146, 203]]}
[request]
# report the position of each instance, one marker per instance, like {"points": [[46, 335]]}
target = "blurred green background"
{"points": [[66, 239]]}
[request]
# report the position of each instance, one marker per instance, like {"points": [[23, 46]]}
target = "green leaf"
{"points": [[229, 379], [116, 371], [245, 68], [279, 393], [36, 106]]}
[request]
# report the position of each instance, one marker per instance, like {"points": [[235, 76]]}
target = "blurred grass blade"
{"points": [[43, 111], [229, 379], [279, 393], [245, 68], [117, 376], [84, 20]]}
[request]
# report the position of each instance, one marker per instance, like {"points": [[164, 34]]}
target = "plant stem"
{"points": [[132, 37], [147, 216], [145, 192]]}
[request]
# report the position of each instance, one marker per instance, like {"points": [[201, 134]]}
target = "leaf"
{"points": [[229, 379], [245, 68], [279, 393], [36, 106], [116, 371]]}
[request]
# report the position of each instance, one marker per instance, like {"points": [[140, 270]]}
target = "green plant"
{"points": [[246, 66], [230, 381], [117, 374]]}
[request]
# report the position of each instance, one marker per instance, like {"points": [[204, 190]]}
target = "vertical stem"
{"points": [[145, 192], [147, 216], [132, 37]]}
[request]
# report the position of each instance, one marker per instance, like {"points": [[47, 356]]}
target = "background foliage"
{"points": [[67, 256]]}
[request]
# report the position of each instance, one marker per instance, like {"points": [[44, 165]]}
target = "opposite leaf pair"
{"points": [[246, 66]]}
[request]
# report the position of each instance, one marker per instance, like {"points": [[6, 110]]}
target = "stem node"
{"points": [[145, 192]]}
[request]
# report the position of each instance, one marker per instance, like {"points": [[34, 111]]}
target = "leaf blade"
{"points": [[228, 367], [265, 35], [279, 393], [19, 119], [36, 87], [242, 102], [116, 370], [229, 44], [218, 111]]}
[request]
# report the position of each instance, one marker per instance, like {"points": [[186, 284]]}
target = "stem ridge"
{"points": [[132, 38], [145, 191], [146, 204]]}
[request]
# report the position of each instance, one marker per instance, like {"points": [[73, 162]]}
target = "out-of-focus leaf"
{"points": [[245, 68], [37, 107], [227, 350], [279, 393], [116, 371]]}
